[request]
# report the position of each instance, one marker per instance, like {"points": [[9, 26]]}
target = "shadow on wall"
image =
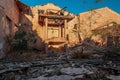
{"points": [[2, 42], [26, 38]]}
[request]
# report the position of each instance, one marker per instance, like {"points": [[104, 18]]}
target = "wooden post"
{"points": [[65, 26], [46, 28], [59, 31]]}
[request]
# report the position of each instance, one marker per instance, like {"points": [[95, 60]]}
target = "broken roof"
{"points": [[52, 4]]}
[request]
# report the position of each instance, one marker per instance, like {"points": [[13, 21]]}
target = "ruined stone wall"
{"points": [[12, 12], [94, 19], [72, 31], [9, 18], [11, 9]]}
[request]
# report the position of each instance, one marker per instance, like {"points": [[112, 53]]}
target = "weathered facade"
{"points": [[52, 24], [9, 18], [110, 34], [93, 19]]}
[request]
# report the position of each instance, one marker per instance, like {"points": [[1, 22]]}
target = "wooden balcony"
{"points": [[54, 19]]}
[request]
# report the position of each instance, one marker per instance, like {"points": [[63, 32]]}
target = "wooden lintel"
{"points": [[57, 16]]}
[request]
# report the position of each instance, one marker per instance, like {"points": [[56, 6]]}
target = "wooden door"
{"points": [[53, 33]]}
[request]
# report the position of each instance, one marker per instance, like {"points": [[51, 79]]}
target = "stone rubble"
{"points": [[113, 77], [65, 67], [74, 70], [61, 77]]}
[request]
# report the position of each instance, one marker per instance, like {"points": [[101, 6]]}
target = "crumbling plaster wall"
{"points": [[11, 9], [12, 12], [94, 19], [8, 12], [73, 34]]}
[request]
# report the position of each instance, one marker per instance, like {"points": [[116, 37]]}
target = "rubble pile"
{"points": [[85, 61], [60, 70], [87, 50]]}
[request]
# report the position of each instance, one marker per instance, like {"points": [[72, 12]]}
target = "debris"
{"points": [[74, 71], [113, 77], [61, 77]]}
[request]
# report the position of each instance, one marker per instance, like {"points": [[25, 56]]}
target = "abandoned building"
{"points": [[55, 26], [47, 42], [96, 19], [50, 25]]}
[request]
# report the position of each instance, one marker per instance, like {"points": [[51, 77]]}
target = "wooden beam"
{"points": [[59, 31], [65, 27], [46, 28], [57, 16]]}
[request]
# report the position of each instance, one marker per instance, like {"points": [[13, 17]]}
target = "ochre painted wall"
{"points": [[40, 29]]}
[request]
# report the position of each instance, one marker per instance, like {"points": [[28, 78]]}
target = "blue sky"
{"points": [[77, 6]]}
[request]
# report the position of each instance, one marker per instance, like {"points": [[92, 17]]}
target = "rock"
{"points": [[87, 54], [48, 73], [113, 56], [1, 66], [2, 54], [39, 78], [61, 77], [113, 77], [79, 77], [62, 57], [9, 76], [33, 70], [52, 72], [94, 56], [74, 71], [17, 77]]}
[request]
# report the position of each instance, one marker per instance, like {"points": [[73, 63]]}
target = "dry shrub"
{"points": [[79, 52], [76, 52]]}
